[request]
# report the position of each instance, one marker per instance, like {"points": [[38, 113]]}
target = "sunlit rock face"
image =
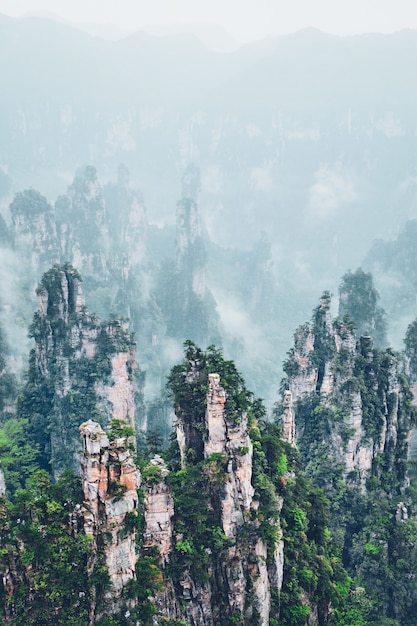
{"points": [[2, 483], [159, 513], [119, 391], [233, 441], [304, 380], [86, 368], [288, 422], [110, 482], [216, 425]]}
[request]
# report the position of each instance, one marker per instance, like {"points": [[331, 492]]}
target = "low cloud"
{"points": [[239, 324], [14, 307], [333, 189]]}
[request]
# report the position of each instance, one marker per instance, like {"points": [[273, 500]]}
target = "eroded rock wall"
{"points": [[159, 512], [110, 482], [189, 245], [361, 387], [245, 564], [83, 228], [232, 440], [34, 232], [82, 368]]}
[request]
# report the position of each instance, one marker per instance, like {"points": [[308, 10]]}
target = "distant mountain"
{"points": [[107, 31], [212, 35], [319, 73]]}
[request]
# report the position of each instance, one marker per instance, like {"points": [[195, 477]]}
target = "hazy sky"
{"points": [[244, 19]]}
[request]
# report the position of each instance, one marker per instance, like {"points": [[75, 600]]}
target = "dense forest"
{"points": [[303, 516]]}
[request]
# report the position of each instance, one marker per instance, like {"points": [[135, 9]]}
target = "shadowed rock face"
{"points": [[83, 367], [34, 231], [83, 225], [190, 246], [328, 367]]}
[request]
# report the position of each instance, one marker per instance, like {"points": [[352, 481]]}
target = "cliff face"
{"points": [[103, 233], [110, 482], [2, 484], [34, 231], [127, 217], [190, 248], [83, 226], [353, 416], [348, 396], [79, 368], [186, 303], [69, 554], [235, 571], [158, 511], [232, 440]]}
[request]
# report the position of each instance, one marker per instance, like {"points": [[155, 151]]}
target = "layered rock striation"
{"points": [[158, 511], [110, 480], [231, 440]]}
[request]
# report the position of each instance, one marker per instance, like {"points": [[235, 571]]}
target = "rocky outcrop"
{"points": [[301, 375], [387, 432], [83, 228], [356, 454], [2, 483], [158, 512], [288, 421], [190, 247], [360, 386], [127, 211], [34, 231], [188, 221], [119, 393], [110, 482], [245, 564], [80, 367], [127, 224], [232, 440], [102, 233]]}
